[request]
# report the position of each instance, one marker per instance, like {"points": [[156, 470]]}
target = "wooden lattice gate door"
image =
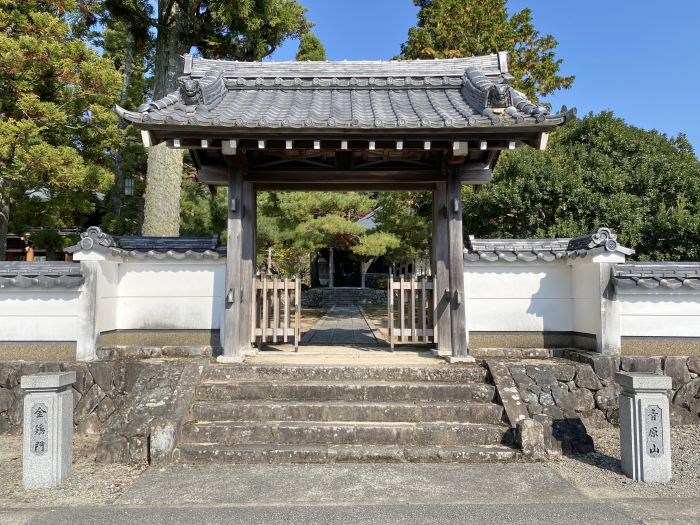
{"points": [[276, 310], [411, 312]]}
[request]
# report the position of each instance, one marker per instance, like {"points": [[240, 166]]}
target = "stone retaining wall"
{"points": [[568, 396], [100, 390], [315, 297]]}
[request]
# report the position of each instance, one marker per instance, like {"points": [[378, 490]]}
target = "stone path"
{"points": [[342, 325]]}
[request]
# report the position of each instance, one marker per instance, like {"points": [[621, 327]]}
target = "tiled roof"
{"points": [[22, 274], [547, 250], [449, 93], [147, 247], [671, 275]]}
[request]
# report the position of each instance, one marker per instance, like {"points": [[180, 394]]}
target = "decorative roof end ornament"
{"points": [[499, 98], [190, 92]]}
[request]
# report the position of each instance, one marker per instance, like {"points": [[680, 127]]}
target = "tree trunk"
{"points": [[118, 160], [164, 174], [4, 219]]}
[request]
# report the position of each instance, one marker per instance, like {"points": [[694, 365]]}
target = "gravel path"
{"points": [[90, 483], [598, 474]]}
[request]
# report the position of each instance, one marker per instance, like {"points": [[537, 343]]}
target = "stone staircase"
{"points": [[325, 414]]}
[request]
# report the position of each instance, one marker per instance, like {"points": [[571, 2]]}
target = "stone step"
{"points": [[356, 391], [442, 373], [346, 411], [197, 453], [344, 433]]}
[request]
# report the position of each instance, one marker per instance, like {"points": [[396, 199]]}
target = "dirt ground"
{"points": [[90, 483], [598, 474]]}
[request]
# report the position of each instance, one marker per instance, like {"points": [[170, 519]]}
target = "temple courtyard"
{"points": [[584, 488]]}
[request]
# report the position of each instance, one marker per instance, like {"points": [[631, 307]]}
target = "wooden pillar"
{"points": [[331, 267], [440, 271], [363, 271], [458, 315], [239, 267]]}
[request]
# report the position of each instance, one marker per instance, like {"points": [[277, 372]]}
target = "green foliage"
{"points": [[310, 48], [459, 28], [407, 217], [56, 121], [295, 224], [201, 212], [597, 171]]}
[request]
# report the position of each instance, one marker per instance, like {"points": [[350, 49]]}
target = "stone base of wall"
{"points": [[515, 340], [160, 338], [41, 351], [672, 346]]}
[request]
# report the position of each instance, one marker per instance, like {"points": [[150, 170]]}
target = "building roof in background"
{"points": [[22, 274], [547, 250], [408, 94], [94, 239], [670, 275], [369, 221]]}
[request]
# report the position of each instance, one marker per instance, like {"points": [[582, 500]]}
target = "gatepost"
{"points": [[645, 426], [47, 453]]}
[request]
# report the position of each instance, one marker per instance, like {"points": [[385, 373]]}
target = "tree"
{"points": [[56, 121], [462, 28], [295, 224], [241, 30], [310, 48], [597, 171]]}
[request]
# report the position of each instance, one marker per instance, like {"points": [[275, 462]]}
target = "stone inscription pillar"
{"points": [[645, 426], [47, 452]]}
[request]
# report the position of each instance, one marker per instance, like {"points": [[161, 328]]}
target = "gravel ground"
{"points": [[90, 483], [598, 474]]}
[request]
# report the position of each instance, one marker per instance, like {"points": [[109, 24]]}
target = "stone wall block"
{"points": [[520, 376], [113, 449], [543, 376], [546, 399], [606, 398], [687, 396], [91, 425], [593, 419], [642, 364], [103, 375], [564, 373], [7, 400], [9, 376], [677, 368], [83, 378], [565, 400], [530, 437], [5, 424], [605, 366], [89, 402], [585, 401], [694, 365], [586, 378], [105, 409]]}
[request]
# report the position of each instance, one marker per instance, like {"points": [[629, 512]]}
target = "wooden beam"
{"points": [[228, 147], [345, 186], [440, 271], [232, 348], [474, 173], [458, 310], [343, 176]]}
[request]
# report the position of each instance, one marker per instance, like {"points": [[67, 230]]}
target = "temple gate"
{"points": [[422, 125]]}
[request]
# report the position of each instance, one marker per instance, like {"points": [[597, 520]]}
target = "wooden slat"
{"points": [[264, 325], [390, 312], [275, 309], [413, 308], [423, 308], [402, 313], [286, 308], [297, 314]]}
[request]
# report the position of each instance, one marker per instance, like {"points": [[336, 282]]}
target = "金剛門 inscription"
{"points": [[39, 429]]}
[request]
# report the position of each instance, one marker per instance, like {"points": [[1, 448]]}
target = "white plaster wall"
{"points": [[186, 294], [35, 314], [519, 297], [659, 312], [585, 297]]}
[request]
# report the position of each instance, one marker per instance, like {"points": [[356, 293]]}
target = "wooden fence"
{"points": [[411, 312], [277, 310]]}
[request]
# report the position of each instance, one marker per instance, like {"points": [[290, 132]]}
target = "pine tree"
{"points": [[56, 118], [310, 48]]}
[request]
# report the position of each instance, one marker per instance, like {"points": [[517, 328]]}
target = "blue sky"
{"points": [[639, 58]]}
